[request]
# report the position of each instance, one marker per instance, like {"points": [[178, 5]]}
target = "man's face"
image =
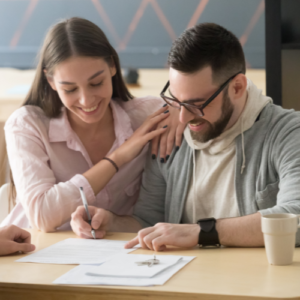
{"points": [[200, 86]]}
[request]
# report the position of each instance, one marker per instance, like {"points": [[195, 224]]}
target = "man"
{"points": [[240, 158]]}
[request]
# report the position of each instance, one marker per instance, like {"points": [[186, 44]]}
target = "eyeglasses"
{"points": [[194, 109]]}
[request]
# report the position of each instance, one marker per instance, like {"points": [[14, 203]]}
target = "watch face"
{"points": [[207, 225]]}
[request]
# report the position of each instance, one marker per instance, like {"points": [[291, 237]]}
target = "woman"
{"points": [[78, 128]]}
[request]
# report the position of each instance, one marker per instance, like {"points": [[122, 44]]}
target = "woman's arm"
{"points": [[49, 204], [128, 151]]}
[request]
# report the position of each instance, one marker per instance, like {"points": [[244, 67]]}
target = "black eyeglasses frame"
{"points": [[187, 104]]}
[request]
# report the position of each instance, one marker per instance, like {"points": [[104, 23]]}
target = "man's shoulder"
{"points": [[275, 112], [277, 119]]}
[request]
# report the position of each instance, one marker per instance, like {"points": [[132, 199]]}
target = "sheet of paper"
{"points": [[78, 251], [78, 276], [124, 265]]}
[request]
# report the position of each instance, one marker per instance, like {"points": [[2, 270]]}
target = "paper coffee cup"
{"points": [[280, 236]]}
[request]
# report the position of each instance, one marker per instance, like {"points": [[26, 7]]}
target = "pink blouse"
{"points": [[47, 159]]}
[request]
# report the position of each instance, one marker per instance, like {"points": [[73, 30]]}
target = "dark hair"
{"points": [[72, 37], [208, 44]]}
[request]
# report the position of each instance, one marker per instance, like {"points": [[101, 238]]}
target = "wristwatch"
{"points": [[208, 235]]}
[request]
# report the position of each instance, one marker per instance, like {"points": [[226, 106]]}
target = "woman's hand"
{"points": [[173, 135], [13, 239], [145, 133], [100, 222]]}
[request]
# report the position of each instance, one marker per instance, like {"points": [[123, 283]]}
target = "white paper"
{"points": [[78, 276], [78, 251], [125, 266]]}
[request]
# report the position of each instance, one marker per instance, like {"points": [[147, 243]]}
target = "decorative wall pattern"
{"points": [[142, 31]]}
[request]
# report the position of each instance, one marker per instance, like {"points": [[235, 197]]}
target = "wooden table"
{"points": [[225, 273]]}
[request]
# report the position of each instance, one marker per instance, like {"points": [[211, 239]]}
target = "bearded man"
{"points": [[239, 160]]}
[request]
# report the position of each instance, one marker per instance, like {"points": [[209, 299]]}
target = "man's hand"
{"points": [[13, 239], [100, 222], [161, 235]]}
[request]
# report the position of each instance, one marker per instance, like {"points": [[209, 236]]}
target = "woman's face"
{"points": [[84, 85]]}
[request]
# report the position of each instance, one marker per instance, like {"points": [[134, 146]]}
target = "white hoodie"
{"points": [[212, 191]]}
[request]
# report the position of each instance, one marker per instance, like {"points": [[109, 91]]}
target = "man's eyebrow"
{"points": [[92, 77], [190, 100]]}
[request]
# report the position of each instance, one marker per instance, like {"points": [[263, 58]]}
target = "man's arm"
{"points": [[239, 232]]}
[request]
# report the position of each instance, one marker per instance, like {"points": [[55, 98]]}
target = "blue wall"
{"points": [[141, 30]]}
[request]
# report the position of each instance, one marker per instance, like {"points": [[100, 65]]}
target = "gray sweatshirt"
{"points": [[269, 184]]}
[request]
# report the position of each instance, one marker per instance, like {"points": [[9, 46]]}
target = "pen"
{"points": [[87, 211]]}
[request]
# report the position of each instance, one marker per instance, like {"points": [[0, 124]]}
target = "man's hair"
{"points": [[204, 45]]}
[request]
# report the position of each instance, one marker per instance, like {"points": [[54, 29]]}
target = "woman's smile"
{"points": [[90, 111]]}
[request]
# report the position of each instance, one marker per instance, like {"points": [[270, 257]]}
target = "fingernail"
{"points": [[153, 156], [165, 112], [165, 105], [177, 148], [167, 157], [162, 160], [165, 126]]}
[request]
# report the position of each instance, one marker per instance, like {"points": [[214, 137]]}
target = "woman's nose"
{"points": [[85, 99]]}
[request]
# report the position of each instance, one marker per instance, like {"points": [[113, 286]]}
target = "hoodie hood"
{"points": [[254, 105]]}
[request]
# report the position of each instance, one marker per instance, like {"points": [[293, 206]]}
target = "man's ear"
{"points": [[50, 80], [239, 86]]}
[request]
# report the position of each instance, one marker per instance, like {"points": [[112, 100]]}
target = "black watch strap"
{"points": [[208, 235]]}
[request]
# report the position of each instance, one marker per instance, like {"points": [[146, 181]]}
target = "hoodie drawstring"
{"points": [[194, 187], [243, 146]]}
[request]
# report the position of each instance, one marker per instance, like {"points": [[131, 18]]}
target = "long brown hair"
{"points": [[71, 37]]}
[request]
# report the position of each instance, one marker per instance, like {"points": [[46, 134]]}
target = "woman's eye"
{"points": [[97, 84], [71, 91]]}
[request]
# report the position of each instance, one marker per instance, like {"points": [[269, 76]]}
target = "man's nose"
{"points": [[185, 115]]}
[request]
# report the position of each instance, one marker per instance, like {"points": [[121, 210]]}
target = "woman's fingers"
{"points": [[163, 145], [154, 147], [169, 144], [152, 134], [151, 124], [158, 112]]}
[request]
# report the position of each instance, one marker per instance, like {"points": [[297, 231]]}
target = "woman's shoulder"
{"points": [[148, 103], [27, 116], [138, 109]]}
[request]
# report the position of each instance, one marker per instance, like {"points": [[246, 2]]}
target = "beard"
{"points": [[214, 130]]}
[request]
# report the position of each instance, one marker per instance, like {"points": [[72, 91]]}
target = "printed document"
{"points": [[78, 251], [78, 275]]}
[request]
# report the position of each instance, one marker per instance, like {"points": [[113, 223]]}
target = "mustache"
{"points": [[198, 121]]}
